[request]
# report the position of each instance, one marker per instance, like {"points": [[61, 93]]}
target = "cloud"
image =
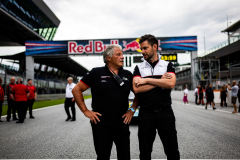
{"points": [[92, 19]]}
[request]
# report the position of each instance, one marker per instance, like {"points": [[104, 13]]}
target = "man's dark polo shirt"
{"points": [[108, 97]]}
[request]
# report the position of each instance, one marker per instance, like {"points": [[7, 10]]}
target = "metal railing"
{"points": [[219, 46]]}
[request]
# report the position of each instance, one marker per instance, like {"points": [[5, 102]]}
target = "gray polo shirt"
{"points": [[235, 91]]}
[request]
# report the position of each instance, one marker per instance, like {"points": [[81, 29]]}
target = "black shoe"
{"points": [[67, 119], [73, 119], [214, 108], [19, 122], [205, 107], [203, 104], [8, 120], [15, 119], [31, 117], [1, 120]]}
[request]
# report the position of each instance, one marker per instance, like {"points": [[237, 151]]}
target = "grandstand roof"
{"points": [[64, 63], [233, 27]]}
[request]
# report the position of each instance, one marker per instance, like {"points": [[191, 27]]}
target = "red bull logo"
{"points": [[98, 46], [135, 46]]}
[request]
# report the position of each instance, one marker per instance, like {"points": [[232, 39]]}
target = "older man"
{"points": [[110, 86], [234, 95], [11, 103], [69, 101]]}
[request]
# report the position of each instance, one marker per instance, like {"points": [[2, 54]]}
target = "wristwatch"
{"points": [[132, 109]]}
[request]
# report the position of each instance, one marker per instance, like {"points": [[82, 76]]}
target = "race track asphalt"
{"points": [[202, 134]]}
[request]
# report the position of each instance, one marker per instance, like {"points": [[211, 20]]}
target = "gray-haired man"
{"points": [[110, 86], [69, 101]]}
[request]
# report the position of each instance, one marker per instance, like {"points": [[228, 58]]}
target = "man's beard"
{"points": [[150, 55]]}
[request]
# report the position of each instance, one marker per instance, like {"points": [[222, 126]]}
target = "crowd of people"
{"points": [[208, 93], [20, 98]]}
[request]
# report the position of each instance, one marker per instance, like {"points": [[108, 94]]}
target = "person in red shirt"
{"points": [[19, 94], [31, 98], [1, 98], [11, 103]]}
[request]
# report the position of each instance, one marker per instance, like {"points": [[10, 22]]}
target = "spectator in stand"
{"points": [[239, 96], [209, 96], [19, 94], [185, 94], [223, 96], [1, 98], [11, 103], [234, 95], [31, 99], [200, 93], [196, 95]]}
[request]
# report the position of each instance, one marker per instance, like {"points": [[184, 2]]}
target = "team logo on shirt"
{"points": [[105, 77]]}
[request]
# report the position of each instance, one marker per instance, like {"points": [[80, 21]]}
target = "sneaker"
{"points": [[187, 104]]}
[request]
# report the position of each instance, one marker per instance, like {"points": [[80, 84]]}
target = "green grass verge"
{"points": [[42, 104]]}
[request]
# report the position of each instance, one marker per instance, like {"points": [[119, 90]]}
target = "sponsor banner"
{"points": [[97, 46]]}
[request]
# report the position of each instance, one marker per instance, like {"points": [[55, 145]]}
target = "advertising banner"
{"points": [[97, 46]]}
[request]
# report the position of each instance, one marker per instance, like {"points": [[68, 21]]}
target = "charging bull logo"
{"points": [[134, 46]]}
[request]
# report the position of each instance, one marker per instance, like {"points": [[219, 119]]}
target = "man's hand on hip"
{"points": [[128, 117], [93, 116]]}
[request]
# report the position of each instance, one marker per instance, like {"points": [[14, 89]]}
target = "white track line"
{"points": [[218, 110], [48, 107]]}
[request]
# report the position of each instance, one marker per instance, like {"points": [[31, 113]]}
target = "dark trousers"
{"points": [[104, 136], [21, 108], [223, 99], [11, 109], [164, 122], [196, 99], [68, 103], [29, 106], [1, 102]]}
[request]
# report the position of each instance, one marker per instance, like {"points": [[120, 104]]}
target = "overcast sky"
{"points": [[88, 19]]}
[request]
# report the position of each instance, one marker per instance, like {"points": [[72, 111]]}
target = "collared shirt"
{"points": [[32, 91], [157, 97], [19, 92], [108, 97], [69, 90]]}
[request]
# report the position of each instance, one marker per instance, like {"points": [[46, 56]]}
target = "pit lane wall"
{"points": [[178, 95]]}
